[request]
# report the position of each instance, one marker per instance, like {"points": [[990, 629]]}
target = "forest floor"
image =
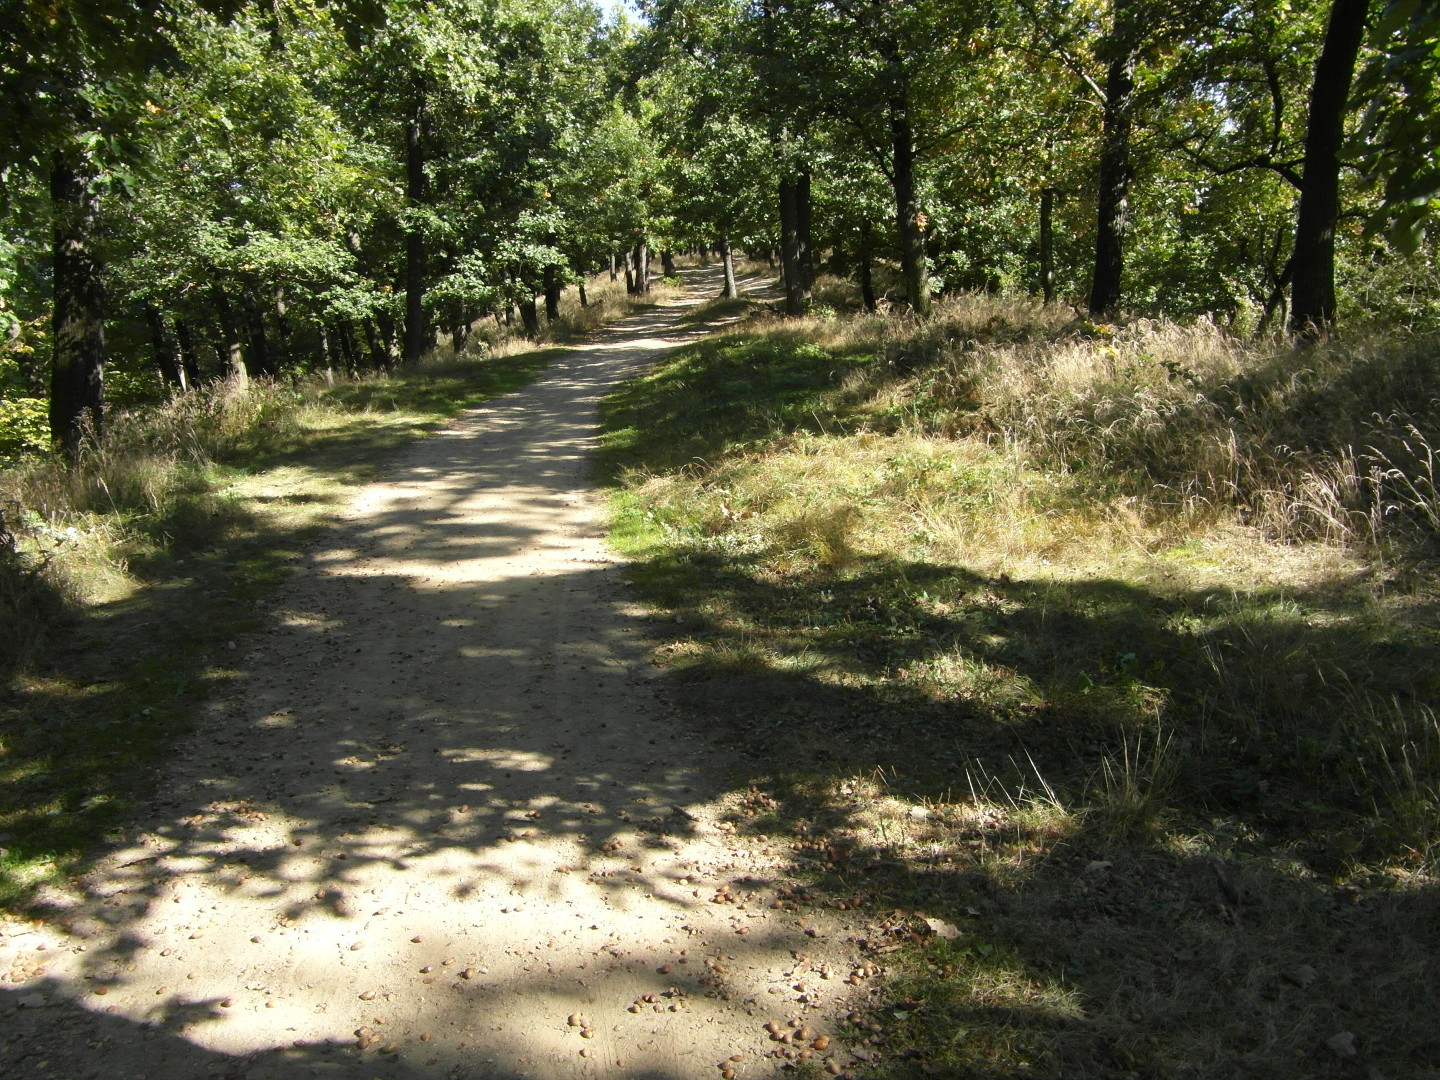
{"points": [[440, 823]]}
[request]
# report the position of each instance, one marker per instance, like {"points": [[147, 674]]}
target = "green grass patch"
{"points": [[1084, 726]]}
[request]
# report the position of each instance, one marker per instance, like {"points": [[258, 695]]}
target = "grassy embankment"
{"points": [[124, 582], [1113, 650]]}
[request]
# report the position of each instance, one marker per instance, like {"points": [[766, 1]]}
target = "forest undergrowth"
{"points": [[1097, 661], [125, 580]]}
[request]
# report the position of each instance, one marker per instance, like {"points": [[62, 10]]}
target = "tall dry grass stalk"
{"points": [[1334, 441]]}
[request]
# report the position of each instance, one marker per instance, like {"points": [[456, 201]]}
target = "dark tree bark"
{"points": [[414, 239], [348, 347], [908, 219], [390, 335], [642, 269], [727, 258], [379, 354], [230, 347], [584, 298], [867, 286], [667, 263], [1112, 210], [167, 353], [804, 252], [77, 372], [797, 296], [327, 356], [530, 316], [189, 357], [261, 361], [1312, 286], [1047, 245], [282, 327], [553, 288]]}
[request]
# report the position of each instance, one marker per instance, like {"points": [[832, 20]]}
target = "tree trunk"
{"points": [[553, 289], [167, 355], [379, 355], [261, 361], [797, 297], [804, 252], [347, 347], [584, 298], [1112, 209], [667, 263], [642, 269], [727, 258], [282, 327], [908, 219], [389, 334], [1312, 287], [189, 358], [235, 369], [77, 373], [1047, 245], [530, 316], [614, 273], [867, 286], [414, 238]]}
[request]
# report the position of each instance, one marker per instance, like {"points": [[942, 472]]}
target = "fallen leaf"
{"points": [[943, 929]]}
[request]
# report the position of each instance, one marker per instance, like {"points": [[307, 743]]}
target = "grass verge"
{"points": [[1126, 741]]}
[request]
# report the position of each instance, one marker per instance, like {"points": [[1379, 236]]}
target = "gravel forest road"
{"points": [[441, 824]]}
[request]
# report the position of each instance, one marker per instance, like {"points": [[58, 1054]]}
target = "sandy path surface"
{"points": [[441, 826]]}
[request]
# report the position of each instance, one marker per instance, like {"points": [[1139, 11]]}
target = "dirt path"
{"points": [[441, 826]]}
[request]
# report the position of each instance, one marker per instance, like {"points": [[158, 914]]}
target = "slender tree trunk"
{"points": [[327, 358], [167, 355], [1047, 245], [389, 334], [553, 289], [867, 286], [909, 221], [414, 238], [235, 369], [642, 269], [530, 316], [261, 361], [667, 263], [804, 252], [1312, 287], [584, 298], [797, 298], [1112, 208], [77, 373], [348, 348], [614, 273], [189, 358], [727, 258], [282, 327], [379, 354]]}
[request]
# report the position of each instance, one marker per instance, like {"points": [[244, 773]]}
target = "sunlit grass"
{"points": [[1082, 598]]}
